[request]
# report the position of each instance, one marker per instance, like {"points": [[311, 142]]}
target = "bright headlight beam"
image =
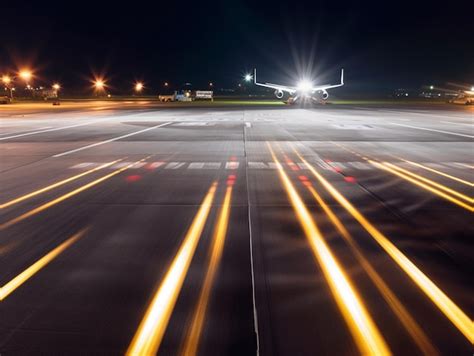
{"points": [[462, 322], [366, 335], [16, 282], [55, 185], [194, 334], [150, 332]]}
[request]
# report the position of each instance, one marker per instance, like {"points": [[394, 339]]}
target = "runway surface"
{"points": [[142, 228]]}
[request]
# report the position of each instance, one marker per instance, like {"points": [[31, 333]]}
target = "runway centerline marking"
{"points": [[20, 279], [434, 130], [109, 140], [149, 334]]}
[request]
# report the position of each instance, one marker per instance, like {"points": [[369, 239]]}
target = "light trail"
{"points": [[364, 331], [438, 172], [110, 140], [24, 276], [431, 182], [387, 167], [415, 331], [150, 332], [194, 334], [455, 314], [55, 185], [66, 196]]}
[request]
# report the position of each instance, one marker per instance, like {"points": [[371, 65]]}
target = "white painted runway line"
{"points": [[24, 131], [54, 129], [434, 130], [110, 140], [458, 123]]}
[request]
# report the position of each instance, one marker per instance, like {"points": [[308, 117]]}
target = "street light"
{"points": [[25, 75], [431, 87], [99, 84], [166, 84], [138, 87], [211, 84], [248, 77], [6, 79], [56, 86]]}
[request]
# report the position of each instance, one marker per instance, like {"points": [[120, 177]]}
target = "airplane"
{"points": [[304, 89]]}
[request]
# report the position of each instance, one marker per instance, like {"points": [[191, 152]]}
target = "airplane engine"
{"points": [[322, 95], [279, 94]]}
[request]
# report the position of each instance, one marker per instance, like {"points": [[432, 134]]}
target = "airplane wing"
{"points": [[330, 86], [290, 90]]}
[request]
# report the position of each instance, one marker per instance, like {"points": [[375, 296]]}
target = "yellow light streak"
{"points": [[150, 332], [366, 335], [439, 172], [462, 322], [192, 341], [415, 331], [394, 170], [16, 282], [66, 196], [429, 181], [54, 185]]}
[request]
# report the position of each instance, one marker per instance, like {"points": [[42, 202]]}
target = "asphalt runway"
{"points": [[142, 228]]}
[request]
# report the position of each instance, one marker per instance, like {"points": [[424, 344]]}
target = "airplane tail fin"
{"points": [[342, 76], [255, 75]]}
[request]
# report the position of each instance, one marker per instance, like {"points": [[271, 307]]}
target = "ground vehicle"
{"points": [[466, 99], [5, 99], [167, 98], [184, 95]]}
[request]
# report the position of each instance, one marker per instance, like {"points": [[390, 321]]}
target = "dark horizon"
{"points": [[380, 46]]}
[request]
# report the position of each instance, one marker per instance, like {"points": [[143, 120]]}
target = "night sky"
{"points": [[381, 44]]}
